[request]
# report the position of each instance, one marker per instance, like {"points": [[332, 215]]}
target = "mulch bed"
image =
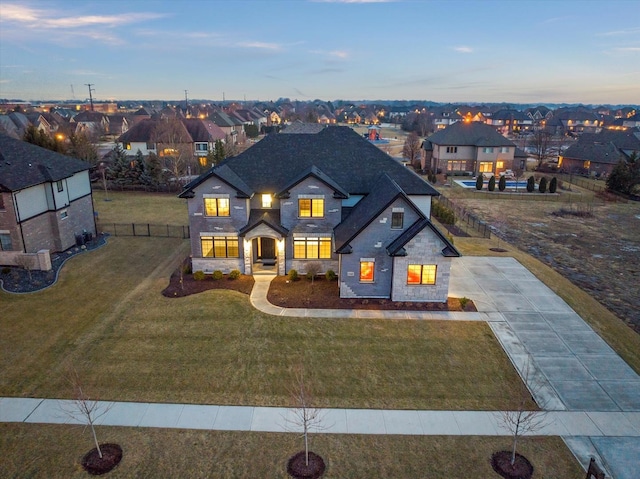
{"points": [[325, 294], [96, 465], [244, 284], [297, 466], [520, 469]]}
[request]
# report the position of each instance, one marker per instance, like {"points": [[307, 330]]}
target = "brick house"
{"points": [[328, 197], [45, 198], [468, 147]]}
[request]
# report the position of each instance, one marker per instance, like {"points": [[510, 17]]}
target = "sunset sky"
{"points": [[448, 51]]}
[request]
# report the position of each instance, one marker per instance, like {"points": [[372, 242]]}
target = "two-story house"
{"points": [[45, 198], [468, 148], [329, 197]]}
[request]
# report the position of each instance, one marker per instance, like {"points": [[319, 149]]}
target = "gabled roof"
{"points": [[396, 247], [338, 152], [270, 218], [338, 192], [224, 173], [385, 192], [299, 127], [594, 152], [223, 120], [141, 132], [469, 134], [23, 165], [203, 130], [625, 140]]}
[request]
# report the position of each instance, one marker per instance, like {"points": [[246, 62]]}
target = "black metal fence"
{"points": [[465, 219], [144, 229]]}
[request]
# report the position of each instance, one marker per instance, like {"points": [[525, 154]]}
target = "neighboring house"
{"points": [[232, 127], [90, 123], [150, 136], [597, 154], [331, 198], [468, 148], [575, 121], [510, 122], [45, 198]]}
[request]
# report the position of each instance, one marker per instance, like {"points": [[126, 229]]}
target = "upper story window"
{"points": [[452, 149], [60, 186], [397, 218], [311, 207], [151, 146], [126, 146], [5, 241], [216, 206], [488, 149], [202, 147], [266, 201], [504, 149]]}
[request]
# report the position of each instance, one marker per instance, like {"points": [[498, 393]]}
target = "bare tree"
{"points": [[305, 417], [174, 145], [411, 148], [313, 269], [542, 146], [521, 420], [83, 408]]}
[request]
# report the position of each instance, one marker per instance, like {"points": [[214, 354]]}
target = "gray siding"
{"points": [[370, 243]]}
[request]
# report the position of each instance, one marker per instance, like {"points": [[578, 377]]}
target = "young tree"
{"points": [[83, 408], [219, 152], [305, 417], [175, 144], [154, 168], [541, 144], [479, 181], [553, 185], [119, 171], [522, 421], [492, 183], [542, 186], [313, 269], [411, 148]]}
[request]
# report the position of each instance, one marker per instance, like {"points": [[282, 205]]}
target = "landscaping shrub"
{"points": [[445, 215], [479, 182], [198, 275], [502, 183], [463, 302], [553, 185], [293, 275], [6, 270], [330, 275], [217, 275], [234, 274], [542, 186], [186, 269], [531, 184], [492, 183]]}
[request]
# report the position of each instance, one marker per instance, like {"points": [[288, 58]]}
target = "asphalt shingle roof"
{"points": [[23, 165], [469, 134]]}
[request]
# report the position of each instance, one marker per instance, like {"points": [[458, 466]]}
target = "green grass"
{"points": [[31, 450], [108, 318], [137, 207]]}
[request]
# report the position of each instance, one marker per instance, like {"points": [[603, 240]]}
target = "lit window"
{"points": [[312, 248], [60, 186], [216, 207], [219, 246], [486, 166], [311, 207], [500, 164], [126, 146], [366, 271], [397, 219], [421, 274], [266, 201]]}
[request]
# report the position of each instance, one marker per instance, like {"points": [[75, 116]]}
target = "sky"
{"points": [[543, 51]]}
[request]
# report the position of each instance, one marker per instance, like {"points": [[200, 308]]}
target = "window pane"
{"points": [[210, 207], [413, 274], [223, 207], [428, 274], [304, 207], [299, 248], [266, 201], [397, 219], [366, 271], [325, 247], [312, 247], [220, 247], [232, 248], [318, 208], [207, 247]]}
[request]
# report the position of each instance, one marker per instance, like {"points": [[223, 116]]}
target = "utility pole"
{"points": [[90, 96]]}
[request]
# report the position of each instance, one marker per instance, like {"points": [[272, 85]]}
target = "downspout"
{"points": [[17, 213]]}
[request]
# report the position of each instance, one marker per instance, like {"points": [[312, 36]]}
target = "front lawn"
{"points": [[108, 318]]}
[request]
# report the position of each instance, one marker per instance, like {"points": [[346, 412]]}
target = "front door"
{"points": [[267, 248]]}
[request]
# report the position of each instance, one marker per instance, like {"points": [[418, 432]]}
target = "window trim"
{"points": [[397, 218], [311, 200], [422, 267], [363, 262], [9, 244], [60, 186], [218, 199], [219, 238]]}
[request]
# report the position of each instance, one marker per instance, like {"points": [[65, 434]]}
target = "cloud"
{"points": [[353, 1], [260, 45], [340, 54], [627, 49], [629, 31], [463, 49]]}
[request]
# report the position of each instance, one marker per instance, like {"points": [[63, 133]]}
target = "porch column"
{"points": [[248, 256], [281, 259]]}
